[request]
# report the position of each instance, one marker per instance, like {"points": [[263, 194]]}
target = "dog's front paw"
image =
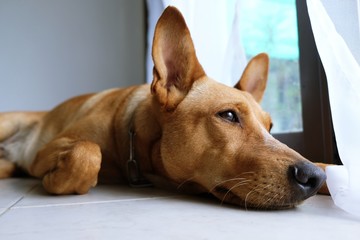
{"points": [[71, 169], [76, 171]]}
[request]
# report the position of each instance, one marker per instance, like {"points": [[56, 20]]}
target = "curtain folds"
{"points": [[213, 28], [335, 26]]}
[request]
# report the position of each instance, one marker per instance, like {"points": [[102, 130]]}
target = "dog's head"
{"points": [[216, 137]]}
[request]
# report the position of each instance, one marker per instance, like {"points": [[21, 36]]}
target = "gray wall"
{"points": [[51, 50]]}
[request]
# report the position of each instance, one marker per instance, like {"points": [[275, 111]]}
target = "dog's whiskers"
{"points": [[252, 191], [184, 182], [225, 181], [236, 178], [280, 197], [269, 197], [263, 203], [235, 186]]}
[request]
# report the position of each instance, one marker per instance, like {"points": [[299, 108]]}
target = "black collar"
{"points": [[134, 175]]}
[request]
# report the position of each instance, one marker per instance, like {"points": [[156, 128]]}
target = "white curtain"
{"points": [[336, 30], [214, 30]]}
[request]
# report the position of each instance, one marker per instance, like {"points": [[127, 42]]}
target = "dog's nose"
{"points": [[307, 178]]}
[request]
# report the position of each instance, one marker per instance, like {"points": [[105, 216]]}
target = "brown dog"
{"points": [[188, 132]]}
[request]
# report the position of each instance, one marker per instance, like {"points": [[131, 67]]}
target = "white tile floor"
{"points": [[119, 212]]}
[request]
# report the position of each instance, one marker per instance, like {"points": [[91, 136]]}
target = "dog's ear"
{"points": [[176, 66], [255, 76]]}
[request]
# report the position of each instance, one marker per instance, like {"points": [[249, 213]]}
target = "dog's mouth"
{"points": [[254, 201]]}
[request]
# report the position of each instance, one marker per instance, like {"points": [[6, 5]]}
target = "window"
{"points": [[271, 26], [297, 95]]}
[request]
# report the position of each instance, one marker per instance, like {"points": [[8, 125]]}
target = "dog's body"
{"points": [[189, 131]]}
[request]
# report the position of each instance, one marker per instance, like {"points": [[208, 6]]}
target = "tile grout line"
{"points": [[89, 203], [12, 206]]}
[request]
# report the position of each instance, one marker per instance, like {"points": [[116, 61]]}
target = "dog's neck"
{"points": [[139, 134], [147, 146]]}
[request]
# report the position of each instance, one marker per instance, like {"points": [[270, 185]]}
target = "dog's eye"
{"points": [[230, 116]]}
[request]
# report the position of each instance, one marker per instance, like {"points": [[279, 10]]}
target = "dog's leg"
{"points": [[13, 122], [14, 126], [7, 168], [68, 165], [324, 189]]}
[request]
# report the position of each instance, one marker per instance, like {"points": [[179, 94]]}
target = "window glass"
{"points": [[271, 26]]}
